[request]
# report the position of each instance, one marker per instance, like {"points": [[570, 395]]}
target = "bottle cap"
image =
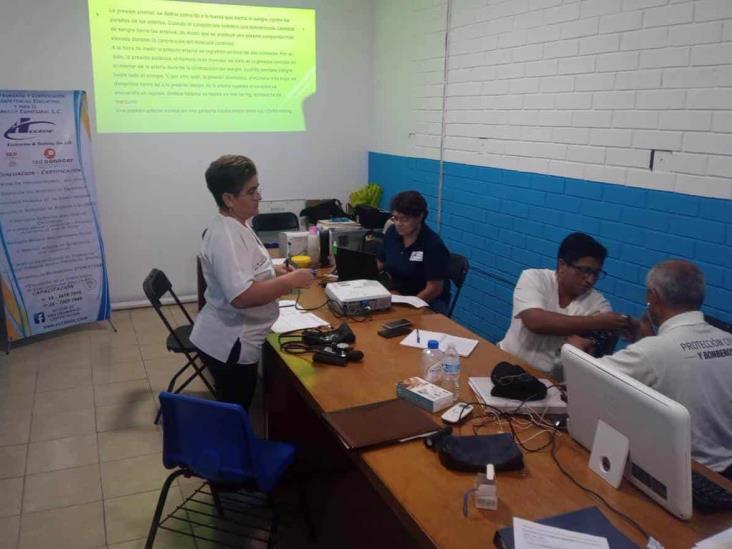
{"points": [[433, 344]]}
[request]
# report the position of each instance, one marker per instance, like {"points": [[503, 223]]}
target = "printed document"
{"points": [[532, 535], [292, 319], [412, 300], [463, 345]]}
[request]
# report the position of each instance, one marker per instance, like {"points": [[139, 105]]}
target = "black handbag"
{"points": [[328, 209], [512, 381], [473, 453]]}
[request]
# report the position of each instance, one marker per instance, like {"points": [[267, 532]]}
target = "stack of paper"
{"points": [[463, 345], [723, 540], [412, 300], [292, 319]]}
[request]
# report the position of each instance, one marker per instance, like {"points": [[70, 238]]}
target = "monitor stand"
{"points": [[609, 453]]}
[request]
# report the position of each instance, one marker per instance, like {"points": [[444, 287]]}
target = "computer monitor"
{"points": [[355, 265], [658, 428]]}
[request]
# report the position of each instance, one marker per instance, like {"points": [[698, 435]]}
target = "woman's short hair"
{"points": [[578, 245], [409, 203], [229, 174]]}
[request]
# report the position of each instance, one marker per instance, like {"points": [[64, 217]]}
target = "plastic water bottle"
{"points": [[432, 361], [313, 245], [451, 371]]}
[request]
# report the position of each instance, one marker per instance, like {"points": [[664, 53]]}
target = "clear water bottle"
{"points": [[432, 361], [313, 245], [451, 371]]}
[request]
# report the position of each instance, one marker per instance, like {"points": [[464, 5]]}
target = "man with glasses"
{"points": [[414, 255], [550, 305]]}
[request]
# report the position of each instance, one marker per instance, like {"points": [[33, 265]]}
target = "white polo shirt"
{"points": [[539, 289], [232, 258], [690, 362]]}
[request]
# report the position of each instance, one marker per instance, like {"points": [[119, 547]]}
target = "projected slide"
{"points": [[166, 66]]}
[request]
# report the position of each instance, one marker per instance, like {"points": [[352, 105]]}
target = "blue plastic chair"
{"points": [[215, 442]]}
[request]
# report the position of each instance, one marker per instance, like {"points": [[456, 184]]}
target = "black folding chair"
{"points": [[155, 286], [275, 221], [457, 271]]}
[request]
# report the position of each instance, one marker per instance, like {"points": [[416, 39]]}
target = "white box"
{"points": [[293, 243]]}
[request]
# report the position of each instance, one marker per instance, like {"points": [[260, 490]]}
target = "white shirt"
{"points": [[690, 362], [539, 289], [232, 258]]}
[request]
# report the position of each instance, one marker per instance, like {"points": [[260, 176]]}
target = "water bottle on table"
{"points": [[432, 361], [451, 371]]}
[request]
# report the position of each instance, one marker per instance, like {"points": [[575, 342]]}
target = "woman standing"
{"points": [[242, 284]]}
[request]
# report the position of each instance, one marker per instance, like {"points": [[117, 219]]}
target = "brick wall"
{"points": [[581, 89], [506, 221]]}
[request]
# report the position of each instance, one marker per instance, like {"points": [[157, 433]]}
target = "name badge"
{"points": [[416, 256]]}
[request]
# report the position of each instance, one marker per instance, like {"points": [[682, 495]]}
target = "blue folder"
{"points": [[588, 521]]}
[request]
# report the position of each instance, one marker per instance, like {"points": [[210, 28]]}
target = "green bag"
{"points": [[366, 196]]}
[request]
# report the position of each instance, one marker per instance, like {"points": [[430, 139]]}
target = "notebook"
{"points": [[380, 423], [589, 521]]}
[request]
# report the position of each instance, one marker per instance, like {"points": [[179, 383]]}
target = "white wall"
{"points": [[152, 197], [574, 88]]}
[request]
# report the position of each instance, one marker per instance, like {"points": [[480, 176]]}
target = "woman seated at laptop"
{"points": [[414, 255]]}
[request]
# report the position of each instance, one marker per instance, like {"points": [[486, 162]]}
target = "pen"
{"points": [[417, 335]]}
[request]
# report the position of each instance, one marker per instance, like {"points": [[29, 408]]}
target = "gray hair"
{"points": [[680, 283]]}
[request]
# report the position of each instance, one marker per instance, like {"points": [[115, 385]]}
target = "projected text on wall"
{"points": [[163, 66]]}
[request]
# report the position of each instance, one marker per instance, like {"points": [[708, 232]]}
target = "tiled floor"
{"points": [[80, 458]]}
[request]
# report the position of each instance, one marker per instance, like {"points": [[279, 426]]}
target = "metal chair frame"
{"points": [[457, 272], [155, 286]]}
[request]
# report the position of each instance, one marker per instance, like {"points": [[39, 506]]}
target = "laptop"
{"points": [[355, 265]]}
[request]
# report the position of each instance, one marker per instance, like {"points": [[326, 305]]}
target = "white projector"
{"points": [[357, 297]]}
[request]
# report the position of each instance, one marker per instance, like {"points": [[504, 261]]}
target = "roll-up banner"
{"points": [[52, 266]]}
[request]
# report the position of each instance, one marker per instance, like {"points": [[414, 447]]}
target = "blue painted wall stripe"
{"points": [[506, 221]]}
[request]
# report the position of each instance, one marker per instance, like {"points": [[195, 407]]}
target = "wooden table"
{"points": [[412, 482]]}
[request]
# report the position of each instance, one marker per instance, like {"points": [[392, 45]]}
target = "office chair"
{"points": [[720, 324], [155, 286], [214, 441], [200, 284], [456, 272], [275, 221], [200, 279]]}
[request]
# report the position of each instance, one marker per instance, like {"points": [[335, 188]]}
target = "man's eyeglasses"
{"points": [[401, 218], [597, 274]]}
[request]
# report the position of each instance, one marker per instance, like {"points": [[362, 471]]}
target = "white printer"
{"points": [[357, 297]]}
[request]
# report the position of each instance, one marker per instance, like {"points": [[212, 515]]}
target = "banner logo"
{"points": [[25, 128], [39, 318], [50, 153]]}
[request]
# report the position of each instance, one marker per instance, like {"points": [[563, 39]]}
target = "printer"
{"points": [[357, 297]]}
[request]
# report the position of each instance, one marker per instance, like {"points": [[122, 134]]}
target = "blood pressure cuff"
{"points": [[511, 381], [473, 453], [603, 342]]}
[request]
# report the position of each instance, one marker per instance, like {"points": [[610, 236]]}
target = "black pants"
{"points": [[728, 472], [235, 383]]}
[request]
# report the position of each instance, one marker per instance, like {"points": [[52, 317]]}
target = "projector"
{"points": [[357, 297]]}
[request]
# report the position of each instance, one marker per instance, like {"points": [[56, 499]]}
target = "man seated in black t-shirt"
{"points": [[414, 255]]}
